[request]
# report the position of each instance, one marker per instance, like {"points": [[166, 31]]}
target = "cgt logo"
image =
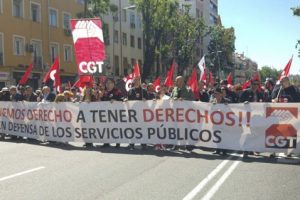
{"points": [[281, 135]]}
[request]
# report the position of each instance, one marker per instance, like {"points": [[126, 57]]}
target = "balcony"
{"points": [[38, 62]]}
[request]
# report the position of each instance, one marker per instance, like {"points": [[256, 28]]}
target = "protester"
{"points": [[204, 97], [111, 94], [286, 92], [180, 92], [137, 93], [29, 95], [47, 95], [87, 97], [14, 95]]}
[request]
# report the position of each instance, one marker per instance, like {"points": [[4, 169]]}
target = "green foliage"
{"points": [[269, 72], [296, 12], [221, 48], [95, 8], [169, 32]]}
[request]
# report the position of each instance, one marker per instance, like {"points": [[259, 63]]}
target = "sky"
{"points": [[266, 30]]}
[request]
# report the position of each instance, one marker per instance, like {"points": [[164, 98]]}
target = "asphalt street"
{"points": [[33, 170]]}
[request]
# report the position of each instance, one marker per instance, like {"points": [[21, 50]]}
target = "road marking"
{"points": [[21, 173], [210, 176], [219, 183]]}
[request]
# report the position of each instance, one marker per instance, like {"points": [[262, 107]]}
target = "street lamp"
{"points": [[219, 63]]}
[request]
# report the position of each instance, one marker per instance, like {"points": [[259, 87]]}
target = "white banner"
{"points": [[260, 127]]}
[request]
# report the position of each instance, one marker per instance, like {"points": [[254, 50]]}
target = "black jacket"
{"points": [[248, 95], [137, 94]]}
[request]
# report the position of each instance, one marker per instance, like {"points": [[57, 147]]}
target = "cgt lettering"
{"points": [[281, 142], [91, 67]]}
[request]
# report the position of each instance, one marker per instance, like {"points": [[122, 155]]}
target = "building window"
{"points": [[1, 50], [67, 53], [19, 45], [35, 10], [124, 37], [124, 15], [53, 17], [117, 65], [1, 6], [66, 21], [139, 21], [133, 61], [139, 43], [125, 65], [132, 20], [80, 2], [132, 44], [53, 51], [18, 8], [116, 36], [37, 53], [106, 34]]}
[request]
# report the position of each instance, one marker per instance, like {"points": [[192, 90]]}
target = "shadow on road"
{"points": [[201, 153]]}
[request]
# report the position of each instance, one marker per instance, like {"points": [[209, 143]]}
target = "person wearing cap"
{"points": [[137, 93], [5, 94], [14, 95], [286, 92]]}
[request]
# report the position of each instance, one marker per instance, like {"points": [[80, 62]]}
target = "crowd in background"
{"points": [[222, 93]]}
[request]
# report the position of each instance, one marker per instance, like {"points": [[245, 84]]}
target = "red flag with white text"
{"points": [[129, 78], [156, 84], [89, 45]]}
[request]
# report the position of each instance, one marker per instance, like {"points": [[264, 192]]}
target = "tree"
{"points": [[186, 34], [269, 72], [95, 8], [156, 15], [221, 48]]}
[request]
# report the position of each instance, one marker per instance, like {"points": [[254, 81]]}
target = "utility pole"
{"points": [[85, 8]]}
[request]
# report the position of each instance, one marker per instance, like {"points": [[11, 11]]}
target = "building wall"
{"points": [[208, 10], [129, 25], [26, 28]]}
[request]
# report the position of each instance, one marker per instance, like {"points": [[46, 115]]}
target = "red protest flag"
{"points": [[136, 70], [52, 71], [83, 81], [193, 84], [286, 70], [230, 79], [246, 84], [169, 78], [129, 78], [156, 84], [25, 77]]}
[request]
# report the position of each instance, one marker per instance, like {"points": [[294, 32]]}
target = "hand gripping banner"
{"points": [[259, 127], [89, 45]]}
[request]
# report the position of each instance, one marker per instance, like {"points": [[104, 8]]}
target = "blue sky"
{"points": [[266, 30]]}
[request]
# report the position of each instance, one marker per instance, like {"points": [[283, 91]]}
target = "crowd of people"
{"points": [[221, 93]]}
